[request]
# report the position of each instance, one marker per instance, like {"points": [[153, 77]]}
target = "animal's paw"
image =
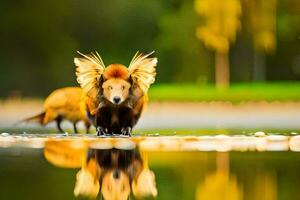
{"points": [[100, 131], [126, 131]]}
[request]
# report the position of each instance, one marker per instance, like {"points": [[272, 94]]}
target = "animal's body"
{"points": [[119, 118], [63, 104], [115, 95]]}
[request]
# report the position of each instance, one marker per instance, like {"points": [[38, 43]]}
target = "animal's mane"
{"points": [[116, 71]]}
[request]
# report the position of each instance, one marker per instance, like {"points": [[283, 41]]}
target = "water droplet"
{"points": [[5, 134], [260, 134]]}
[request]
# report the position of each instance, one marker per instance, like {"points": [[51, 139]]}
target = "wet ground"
{"points": [[62, 166]]}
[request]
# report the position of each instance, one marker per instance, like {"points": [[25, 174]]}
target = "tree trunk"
{"points": [[259, 67], [222, 70]]}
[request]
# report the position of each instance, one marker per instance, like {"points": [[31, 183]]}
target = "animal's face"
{"points": [[115, 185], [116, 90]]}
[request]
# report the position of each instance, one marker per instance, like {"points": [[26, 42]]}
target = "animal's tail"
{"points": [[36, 118]]}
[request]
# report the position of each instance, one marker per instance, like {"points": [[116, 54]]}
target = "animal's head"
{"points": [[115, 82], [115, 185]]}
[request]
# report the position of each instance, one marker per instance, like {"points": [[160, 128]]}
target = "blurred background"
{"points": [[208, 50], [258, 40], [225, 67]]}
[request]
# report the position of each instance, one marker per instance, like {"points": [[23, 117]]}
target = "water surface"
{"points": [[190, 167]]}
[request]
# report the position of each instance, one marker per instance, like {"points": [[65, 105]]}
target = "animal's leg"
{"points": [[87, 126], [126, 131], [58, 122], [91, 118], [102, 120], [127, 119], [100, 131], [74, 127]]}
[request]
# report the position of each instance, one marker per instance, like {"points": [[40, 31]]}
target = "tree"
{"points": [[261, 18], [177, 47], [222, 21]]}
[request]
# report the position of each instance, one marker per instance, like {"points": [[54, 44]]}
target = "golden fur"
{"points": [[64, 103], [116, 87], [109, 172], [116, 71], [102, 86], [90, 69]]}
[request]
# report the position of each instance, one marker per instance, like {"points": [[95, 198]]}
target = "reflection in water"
{"points": [[112, 169], [87, 182], [118, 168], [220, 184], [264, 186], [225, 184]]}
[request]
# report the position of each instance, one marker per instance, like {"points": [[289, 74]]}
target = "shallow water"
{"points": [[187, 167]]}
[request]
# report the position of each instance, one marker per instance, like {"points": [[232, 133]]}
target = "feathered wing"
{"points": [[142, 70], [89, 71]]}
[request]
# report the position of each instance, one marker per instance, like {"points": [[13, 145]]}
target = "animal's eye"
{"points": [[109, 87], [123, 87]]}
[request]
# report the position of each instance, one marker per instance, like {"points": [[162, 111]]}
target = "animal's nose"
{"points": [[117, 99], [116, 174]]}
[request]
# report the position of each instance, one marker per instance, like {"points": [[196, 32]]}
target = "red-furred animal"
{"points": [[115, 95]]}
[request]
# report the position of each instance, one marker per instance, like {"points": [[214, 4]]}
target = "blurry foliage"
{"points": [[39, 40], [262, 22], [181, 59], [222, 23]]}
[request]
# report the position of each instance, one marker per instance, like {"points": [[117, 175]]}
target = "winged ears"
{"points": [[91, 70]]}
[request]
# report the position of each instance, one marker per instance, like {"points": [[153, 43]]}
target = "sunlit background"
{"points": [[194, 40], [232, 51], [223, 118]]}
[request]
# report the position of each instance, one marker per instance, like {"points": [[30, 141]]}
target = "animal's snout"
{"points": [[116, 174], [117, 99]]}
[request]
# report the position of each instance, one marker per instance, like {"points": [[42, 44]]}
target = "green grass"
{"points": [[276, 91]]}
